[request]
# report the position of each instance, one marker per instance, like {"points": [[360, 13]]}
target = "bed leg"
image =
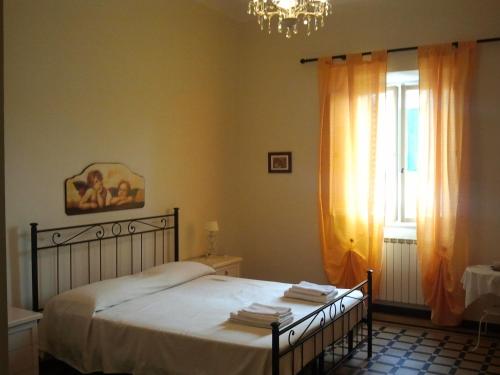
{"points": [[321, 362], [176, 234], [313, 366], [350, 341], [369, 314], [275, 348], [34, 266]]}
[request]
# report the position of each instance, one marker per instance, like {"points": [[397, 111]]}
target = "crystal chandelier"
{"points": [[290, 13]]}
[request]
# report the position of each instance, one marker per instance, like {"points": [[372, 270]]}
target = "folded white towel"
{"points": [[307, 297], [257, 323], [260, 315], [263, 317], [259, 308], [313, 289]]}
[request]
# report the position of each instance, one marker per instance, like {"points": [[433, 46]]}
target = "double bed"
{"points": [[155, 316]]}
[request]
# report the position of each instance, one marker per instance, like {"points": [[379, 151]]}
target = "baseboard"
{"points": [[473, 325], [419, 313], [413, 312]]}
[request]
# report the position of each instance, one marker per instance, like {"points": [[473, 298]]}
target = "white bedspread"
{"points": [[180, 330]]}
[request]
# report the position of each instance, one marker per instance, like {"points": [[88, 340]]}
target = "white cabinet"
{"points": [[223, 264], [23, 341]]}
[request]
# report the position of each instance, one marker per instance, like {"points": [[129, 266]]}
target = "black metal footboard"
{"points": [[332, 328]]}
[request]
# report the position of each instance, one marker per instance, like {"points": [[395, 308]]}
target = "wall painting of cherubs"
{"points": [[104, 187]]}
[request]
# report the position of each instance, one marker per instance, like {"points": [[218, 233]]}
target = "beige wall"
{"points": [[278, 111], [194, 102], [147, 83], [3, 279]]}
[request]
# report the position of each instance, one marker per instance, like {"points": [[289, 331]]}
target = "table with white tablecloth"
{"points": [[478, 280]]}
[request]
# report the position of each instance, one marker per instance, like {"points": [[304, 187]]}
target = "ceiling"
{"points": [[236, 9]]}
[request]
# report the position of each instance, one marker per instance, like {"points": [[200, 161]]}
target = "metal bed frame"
{"points": [[317, 324], [351, 339]]}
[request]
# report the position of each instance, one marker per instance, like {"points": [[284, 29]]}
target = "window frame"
{"points": [[395, 163], [398, 219], [402, 140]]}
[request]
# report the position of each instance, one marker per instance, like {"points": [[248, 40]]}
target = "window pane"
{"points": [[411, 139], [410, 123]]}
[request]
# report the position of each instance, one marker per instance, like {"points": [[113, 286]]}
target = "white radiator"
{"points": [[400, 282]]}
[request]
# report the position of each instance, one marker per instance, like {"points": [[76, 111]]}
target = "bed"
{"points": [[117, 299]]}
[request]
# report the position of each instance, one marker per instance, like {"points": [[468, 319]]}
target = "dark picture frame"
{"points": [[279, 162]]}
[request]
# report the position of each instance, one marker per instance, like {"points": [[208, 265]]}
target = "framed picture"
{"points": [[279, 162], [103, 187]]}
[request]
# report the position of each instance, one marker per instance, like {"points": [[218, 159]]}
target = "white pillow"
{"points": [[186, 268]]}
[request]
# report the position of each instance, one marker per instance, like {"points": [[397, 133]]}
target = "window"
{"points": [[402, 112]]}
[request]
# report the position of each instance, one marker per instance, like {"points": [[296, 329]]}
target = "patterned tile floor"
{"points": [[415, 351]]}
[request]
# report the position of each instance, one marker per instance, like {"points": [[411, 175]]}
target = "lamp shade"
{"points": [[212, 226]]}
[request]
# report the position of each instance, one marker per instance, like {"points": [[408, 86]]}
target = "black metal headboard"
{"points": [[89, 238]]}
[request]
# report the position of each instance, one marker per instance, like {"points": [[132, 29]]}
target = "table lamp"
{"points": [[212, 227]]}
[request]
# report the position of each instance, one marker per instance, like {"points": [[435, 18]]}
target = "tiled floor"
{"points": [[414, 351]]}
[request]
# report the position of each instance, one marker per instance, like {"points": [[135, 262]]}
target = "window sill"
{"points": [[403, 232]]}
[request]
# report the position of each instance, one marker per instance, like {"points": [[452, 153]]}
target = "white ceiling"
{"points": [[236, 9]]}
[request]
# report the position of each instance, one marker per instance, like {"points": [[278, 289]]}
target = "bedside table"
{"points": [[223, 264], [23, 341]]}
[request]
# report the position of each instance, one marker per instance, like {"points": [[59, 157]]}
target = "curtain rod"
{"points": [[305, 61]]}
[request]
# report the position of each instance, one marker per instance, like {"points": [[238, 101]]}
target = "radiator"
{"points": [[400, 282]]}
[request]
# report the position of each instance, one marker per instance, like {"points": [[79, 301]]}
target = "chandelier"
{"points": [[290, 13]]}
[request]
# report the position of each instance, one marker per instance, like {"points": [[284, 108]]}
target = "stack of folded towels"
{"points": [[312, 292], [259, 315]]}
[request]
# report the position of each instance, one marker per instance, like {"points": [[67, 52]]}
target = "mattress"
{"points": [[184, 329]]}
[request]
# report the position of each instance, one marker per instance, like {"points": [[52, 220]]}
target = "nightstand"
{"points": [[223, 264], [23, 341]]}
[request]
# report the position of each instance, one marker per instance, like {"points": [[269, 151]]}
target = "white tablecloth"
{"points": [[478, 280]]}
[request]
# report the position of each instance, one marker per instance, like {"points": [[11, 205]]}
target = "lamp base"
{"points": [[211, 244]]}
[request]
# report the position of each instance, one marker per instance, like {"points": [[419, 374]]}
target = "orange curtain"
{"points": [[443, 176], [351, 172]]}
